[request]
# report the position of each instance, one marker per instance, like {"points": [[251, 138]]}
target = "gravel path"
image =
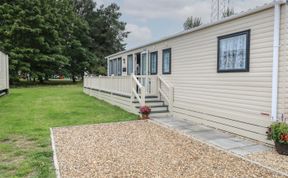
{"points": [[271, 159], [143, 149]]}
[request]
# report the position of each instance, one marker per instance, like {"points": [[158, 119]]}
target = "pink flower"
{"points": [[145, 110]]}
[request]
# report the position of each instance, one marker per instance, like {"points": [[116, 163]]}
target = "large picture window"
{"points": [[166, 61], [234, 52], [153, 62], [129, 64]]}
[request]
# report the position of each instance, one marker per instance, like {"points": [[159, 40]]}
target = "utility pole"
{"points": [[217, 9]]}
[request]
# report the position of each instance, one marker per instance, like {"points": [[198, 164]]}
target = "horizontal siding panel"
{"points": [[222, 126], [225, 104], [230, 95], [248, 126], [256, 91]]}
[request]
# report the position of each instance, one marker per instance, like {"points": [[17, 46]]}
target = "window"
{"points": [[119, 67], [114, 67], [166, 61], [129, 64], [234, 52], [153, 62], [143, 63], [110, 67]]}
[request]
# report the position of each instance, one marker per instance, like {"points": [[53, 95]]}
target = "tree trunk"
{"points": [[74, 78], [46, 78], [40, 79]]}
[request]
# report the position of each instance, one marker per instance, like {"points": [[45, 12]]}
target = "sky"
{"points": [[150, 20]]}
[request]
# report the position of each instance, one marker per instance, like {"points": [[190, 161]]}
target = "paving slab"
{"points": [[221, 139], [229, 143], [210, 135], [251, 149]]}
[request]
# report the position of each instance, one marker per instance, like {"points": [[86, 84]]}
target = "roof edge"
{"points": [[242, 14]]}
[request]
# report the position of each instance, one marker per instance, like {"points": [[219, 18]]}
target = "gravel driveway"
{"points": [[143, 149]]}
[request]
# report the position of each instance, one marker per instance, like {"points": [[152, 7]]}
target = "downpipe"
{"points": [[275, 68]]}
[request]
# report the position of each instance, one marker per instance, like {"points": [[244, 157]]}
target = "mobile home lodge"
{"points": [[4, 74], [230, 75]]}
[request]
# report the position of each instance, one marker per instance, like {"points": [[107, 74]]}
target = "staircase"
{"points": [[158, 106]]}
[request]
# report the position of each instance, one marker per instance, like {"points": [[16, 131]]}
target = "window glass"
{"points": [[110, 67], [233, 52], [129, 64], [143, 63], [166, 61], [153, 62], [119, 67]]}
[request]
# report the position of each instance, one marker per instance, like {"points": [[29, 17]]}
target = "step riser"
{"points": [[164, 108], [150, 104], [160, 115], [151, 99], [159, 109]]}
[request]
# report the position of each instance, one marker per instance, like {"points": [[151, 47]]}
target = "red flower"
{"points": [[145, 110], [284, 137]]}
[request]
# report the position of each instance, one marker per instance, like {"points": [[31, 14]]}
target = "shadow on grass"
{"points": [[52, 82]]}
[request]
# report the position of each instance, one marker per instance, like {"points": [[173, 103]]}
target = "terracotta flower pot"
{"points": [[281, 148], [145, 116]]}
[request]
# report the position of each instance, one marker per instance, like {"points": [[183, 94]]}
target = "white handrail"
{"points": [[163, 94], [163, 81], [137, 96], [142, 91], [136, 81], [170, 97]]}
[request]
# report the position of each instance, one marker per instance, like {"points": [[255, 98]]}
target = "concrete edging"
{"points": [[55, 161]]}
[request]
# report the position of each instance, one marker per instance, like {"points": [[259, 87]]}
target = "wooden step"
{"points": [[157, 108], [150, 101]]}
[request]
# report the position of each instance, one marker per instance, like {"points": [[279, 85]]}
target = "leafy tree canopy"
{"points": [[59, 37], [228, 12], [192, 22]]}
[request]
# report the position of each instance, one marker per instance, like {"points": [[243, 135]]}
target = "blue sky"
{"points": [[149, 20]]}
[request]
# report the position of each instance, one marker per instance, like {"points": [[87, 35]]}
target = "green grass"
{"points": [[26, 115]]}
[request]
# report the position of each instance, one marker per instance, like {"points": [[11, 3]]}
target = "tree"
{"points": [[106, 30], [228, 12], [55, 37], [192, 22], [29, 35]]}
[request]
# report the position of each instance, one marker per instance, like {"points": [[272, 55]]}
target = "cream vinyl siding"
{"points": [[234, 102], [4, 76], [229, 101]]}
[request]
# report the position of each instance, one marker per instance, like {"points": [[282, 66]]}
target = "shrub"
{"points": [[278, 132]]}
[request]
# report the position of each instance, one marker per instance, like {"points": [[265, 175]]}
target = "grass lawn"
{"points": [[26, 115]]}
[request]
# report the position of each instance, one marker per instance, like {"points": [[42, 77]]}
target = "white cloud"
{"points": [[139, 14], [179, 9], [104, 2], [138, 35]]}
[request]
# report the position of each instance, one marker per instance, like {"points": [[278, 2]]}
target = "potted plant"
{"points": [[278, 132], [145, 111]]}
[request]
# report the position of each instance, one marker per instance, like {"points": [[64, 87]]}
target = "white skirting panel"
{"points": [[120, 101]]}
